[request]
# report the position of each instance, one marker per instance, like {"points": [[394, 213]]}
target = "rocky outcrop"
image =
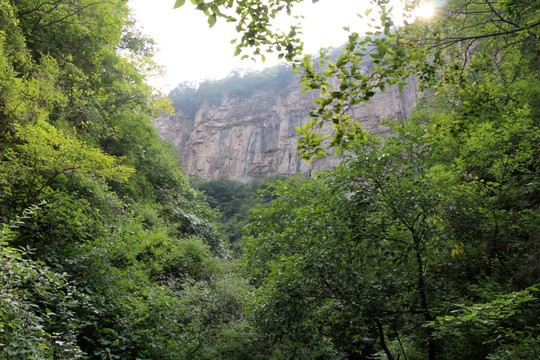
{"points": [[246, 138]]}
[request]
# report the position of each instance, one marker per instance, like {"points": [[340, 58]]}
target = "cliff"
{"points": [[242, 138]]}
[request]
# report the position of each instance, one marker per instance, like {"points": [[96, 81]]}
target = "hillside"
{"points": [[421, 244], [243, 127]]}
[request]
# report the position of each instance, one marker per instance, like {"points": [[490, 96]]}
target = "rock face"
{"points": [[246, 138]]}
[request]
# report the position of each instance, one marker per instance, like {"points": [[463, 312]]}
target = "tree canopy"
{"points": [[422, 244], [188, 98], [106, 252]]}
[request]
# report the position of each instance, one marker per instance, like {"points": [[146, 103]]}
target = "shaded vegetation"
{"points": [[421, 245], [235, 201], [106, 252], [406, 250]]}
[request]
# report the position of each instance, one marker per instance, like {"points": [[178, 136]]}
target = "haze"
{"points": [[190, 51]]}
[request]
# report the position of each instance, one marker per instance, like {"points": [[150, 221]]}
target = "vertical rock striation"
{"points": [[246, 138]]}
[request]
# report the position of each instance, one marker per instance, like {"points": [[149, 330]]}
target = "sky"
{"points": [[190, 51]]}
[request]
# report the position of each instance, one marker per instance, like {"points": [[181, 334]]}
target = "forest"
{"points": [[424, 244], [189, 97]]}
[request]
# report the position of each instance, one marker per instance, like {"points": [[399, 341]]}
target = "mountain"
{"points": [[250, 132]]}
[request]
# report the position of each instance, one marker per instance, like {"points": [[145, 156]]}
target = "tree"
{"points": [[35, 303], [235, 201], [188, 97], [100, 265], [366, 257], [346, 254], [440, 215], [465, 37]]}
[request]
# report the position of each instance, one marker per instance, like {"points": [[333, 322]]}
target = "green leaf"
{"points": [[212, 20], [179, 3]]}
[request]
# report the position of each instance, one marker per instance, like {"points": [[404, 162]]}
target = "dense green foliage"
{"points": [[188, 97], [235, 201], [423, 244], [407, 248], [105, 250]]}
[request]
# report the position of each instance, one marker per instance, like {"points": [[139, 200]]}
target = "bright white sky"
{"points": [[191, 51]]}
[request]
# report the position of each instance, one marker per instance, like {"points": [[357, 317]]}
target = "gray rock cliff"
{"points": [[246, 138]]}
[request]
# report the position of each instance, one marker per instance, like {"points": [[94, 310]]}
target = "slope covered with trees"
{"points": [[105, 250], [188, 98], [407, 249], [235, 201], [422, 245]]}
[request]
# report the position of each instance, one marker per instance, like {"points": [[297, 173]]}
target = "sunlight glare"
{"points": [[424, 10]]}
